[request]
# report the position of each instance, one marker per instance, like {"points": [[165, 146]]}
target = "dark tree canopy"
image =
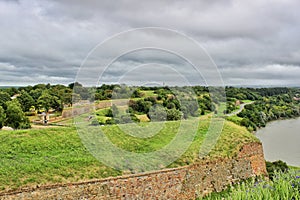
{"points": [[2, 117]]}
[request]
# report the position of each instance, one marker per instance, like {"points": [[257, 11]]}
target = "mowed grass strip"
{"points": [[56, 155]]}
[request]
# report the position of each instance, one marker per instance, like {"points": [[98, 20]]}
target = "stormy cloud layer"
{"points": [[252, 42]]}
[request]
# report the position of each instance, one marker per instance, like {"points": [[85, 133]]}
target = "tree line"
{"points": [[158, 103]]}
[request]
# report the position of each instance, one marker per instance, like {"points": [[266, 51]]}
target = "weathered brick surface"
{"points": [[179, 183]]}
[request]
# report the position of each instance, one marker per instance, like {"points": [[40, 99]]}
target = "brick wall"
{"points": [[186, 182]]}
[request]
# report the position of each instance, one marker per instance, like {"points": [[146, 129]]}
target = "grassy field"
{"points": [[148, 93], [54, 155]]}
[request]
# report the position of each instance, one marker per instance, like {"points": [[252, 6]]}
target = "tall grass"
{"points": [[284, 186]]}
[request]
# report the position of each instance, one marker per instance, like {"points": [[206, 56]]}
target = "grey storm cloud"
{"points": [[252, 42]]}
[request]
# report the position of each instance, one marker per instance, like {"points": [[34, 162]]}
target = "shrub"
{"points": [[157, 113], [173, 114], [276, 166], [95, 122], [110, 121]]}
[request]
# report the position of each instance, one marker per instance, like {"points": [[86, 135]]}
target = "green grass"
{"points": [[220, 109], [53, 155], [148, 93], [247, 101], [284, 186], [235, 119]]}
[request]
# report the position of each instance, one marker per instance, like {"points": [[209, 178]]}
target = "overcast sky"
{"points": [[253, 42]]}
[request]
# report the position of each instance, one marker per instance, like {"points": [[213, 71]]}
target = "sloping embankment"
{"points": [[186, 182]]}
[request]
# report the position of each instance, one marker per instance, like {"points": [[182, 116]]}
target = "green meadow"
{"points": [[56, 155]]}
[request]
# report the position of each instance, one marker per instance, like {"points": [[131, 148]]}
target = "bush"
{"points": [[276, 166], [173, 114], [157, 113], [110, 121], [109, 113], [95, 122], [134, 118]]}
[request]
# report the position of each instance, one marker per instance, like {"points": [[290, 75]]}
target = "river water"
{"points": [[281, 141]]}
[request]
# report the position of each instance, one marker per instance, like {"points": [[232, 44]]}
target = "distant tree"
{"points": [[12, 91], [15, 116], [40, 86], [25, 100], [48, 101], [2, 117], [173, 114], [36, 93], [4, 97], [76, 84], [157, 113], [137, 93]]}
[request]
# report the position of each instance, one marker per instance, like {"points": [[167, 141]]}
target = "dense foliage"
{"points": [[18, 103], [15, 117], [171, 103], [270, 104]]}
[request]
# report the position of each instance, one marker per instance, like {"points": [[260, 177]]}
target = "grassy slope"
{"points": [[30, 157]]}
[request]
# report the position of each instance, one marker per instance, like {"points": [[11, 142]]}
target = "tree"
{"points": [[76, 84], [66, 96], [25, 100], [173, 114], [2, 117], [79, 89], [48, 101], [4, 97], [15, 117], [157, 113]]}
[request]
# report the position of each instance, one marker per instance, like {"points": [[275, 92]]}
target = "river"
{"points": [[281, 141]]}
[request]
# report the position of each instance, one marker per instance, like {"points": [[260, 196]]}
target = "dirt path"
{"points": [[242, 106]]}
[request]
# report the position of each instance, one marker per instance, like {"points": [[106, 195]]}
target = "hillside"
{"points": [[56, 155]]}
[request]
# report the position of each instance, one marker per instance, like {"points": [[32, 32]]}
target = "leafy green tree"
{"points": [[140, 106], [66, 96], [79, 89], [157, 113], [11, 91], [25, 100], [173, 114], [4, 97], [76, 84], [48, 101], [15, 117], [2, 117]]}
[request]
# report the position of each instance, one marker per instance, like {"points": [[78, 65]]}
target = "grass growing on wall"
{"points": [[283, 186], [54, 155]]}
